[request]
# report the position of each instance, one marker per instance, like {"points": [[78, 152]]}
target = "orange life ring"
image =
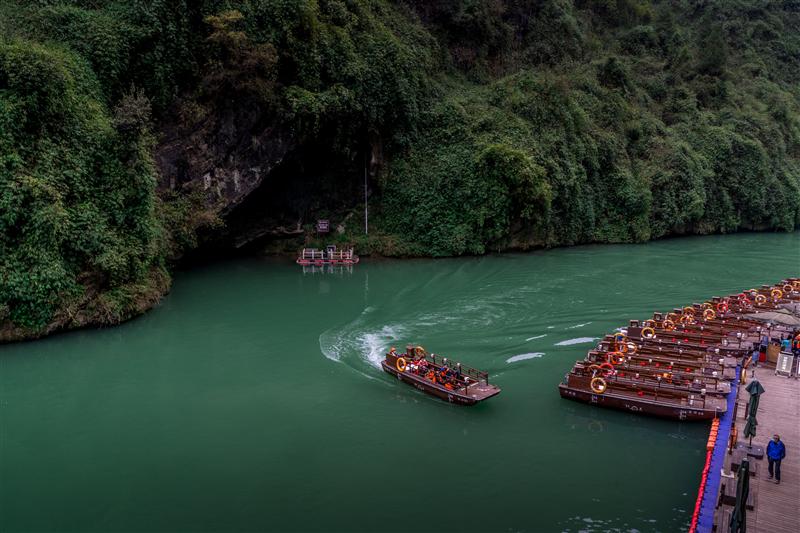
{"points": [[598, 385], [687, 319], [788, 288], [649, 323], [709, 314], [689, 310], [632, 347], [761, 299], [401, 364], [776, 294], [796, 283], [708, 305], [648, 333], [615, 358], [668, 325]]}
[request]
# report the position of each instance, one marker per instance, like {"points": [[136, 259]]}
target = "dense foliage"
{"points": [[500, 124], [644, 119]]}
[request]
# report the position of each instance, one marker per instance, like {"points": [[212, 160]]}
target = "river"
{"points": [[252, 399]]}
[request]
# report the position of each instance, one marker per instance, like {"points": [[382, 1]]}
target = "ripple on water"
{"points": [[577, 340], [524, 356]]}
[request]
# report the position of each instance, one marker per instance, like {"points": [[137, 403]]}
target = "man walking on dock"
{"points": [[776, 451]]}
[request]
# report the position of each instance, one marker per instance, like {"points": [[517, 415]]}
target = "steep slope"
{"points": [[132, 131]]}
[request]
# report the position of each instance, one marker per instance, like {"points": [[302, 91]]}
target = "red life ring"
{"points": [[722, 307]]}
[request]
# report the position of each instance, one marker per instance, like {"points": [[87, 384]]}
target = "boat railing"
{"points": [[472, 373], [314, 254]]}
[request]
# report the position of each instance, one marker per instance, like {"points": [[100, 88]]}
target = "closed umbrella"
{"points": [[755, 389], [739, 516]]}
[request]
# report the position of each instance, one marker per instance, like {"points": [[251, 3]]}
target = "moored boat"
{"points": [[437, 376], [679, 364], [329, 256]]}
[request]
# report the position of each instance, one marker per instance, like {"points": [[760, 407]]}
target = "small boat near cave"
{"points": [[437, 376], [329, 256]]}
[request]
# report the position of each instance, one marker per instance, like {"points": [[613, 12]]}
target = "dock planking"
{"points": [[777, 508]]}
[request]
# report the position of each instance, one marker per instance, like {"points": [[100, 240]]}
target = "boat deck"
{"points": [[480, 391]]}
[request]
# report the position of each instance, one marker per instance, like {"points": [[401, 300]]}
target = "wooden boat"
{"points": [[437, 376], [678, 364], [329, 256], [666, 404]]}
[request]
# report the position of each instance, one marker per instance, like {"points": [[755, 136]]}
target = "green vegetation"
{"points": [[501, 124]]}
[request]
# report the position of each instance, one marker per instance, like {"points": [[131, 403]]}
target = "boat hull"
{"points": [[440, 392], [640, 406]]}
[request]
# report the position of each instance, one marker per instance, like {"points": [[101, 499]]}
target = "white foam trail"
{"points": [[374, 345], [579, 325], [579, 340], [523, 356], [536, 337]]}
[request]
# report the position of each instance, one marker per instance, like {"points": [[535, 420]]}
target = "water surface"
{"points": [[252, 399]]}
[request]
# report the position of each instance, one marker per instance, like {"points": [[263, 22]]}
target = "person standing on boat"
{"points": [[776, 451]]}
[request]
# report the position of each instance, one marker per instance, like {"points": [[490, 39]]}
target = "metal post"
{"points": [[366, 212]]}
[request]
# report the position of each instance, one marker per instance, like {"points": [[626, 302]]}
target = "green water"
{"points": [[251, 399]]}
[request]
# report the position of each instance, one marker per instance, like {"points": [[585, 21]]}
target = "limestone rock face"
{"points": [[226, 154]]}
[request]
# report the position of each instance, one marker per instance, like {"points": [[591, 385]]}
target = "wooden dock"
{"points": [[777, 507]]}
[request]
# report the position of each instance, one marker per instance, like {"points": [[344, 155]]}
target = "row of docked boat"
{"points": [[680, 364]]}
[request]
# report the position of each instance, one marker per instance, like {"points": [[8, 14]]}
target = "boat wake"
{"points": [[359, 346]]}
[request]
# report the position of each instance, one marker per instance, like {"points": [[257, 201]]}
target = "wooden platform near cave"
{"points": [[777, 507]]}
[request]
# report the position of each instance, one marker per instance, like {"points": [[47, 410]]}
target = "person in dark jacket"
{"points": [[776, 451]]}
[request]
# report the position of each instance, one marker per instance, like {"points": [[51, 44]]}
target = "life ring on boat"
{"points": [[776, 294], [687, 319], [688, 309], [722, 307], [668, 325], [648, 333], [796, 284], [761, 299], [632, 348], [745, 302], [788, 288], [649, 323], [598, 385], [401, 364], [708, 305], [607, 368], [709, 314], [620, 337], [615, 358]]}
